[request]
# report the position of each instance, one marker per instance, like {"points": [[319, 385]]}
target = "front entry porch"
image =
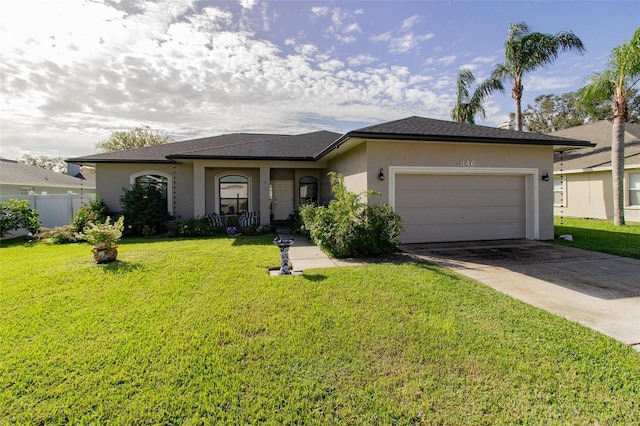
{"points": [[273, 193]]}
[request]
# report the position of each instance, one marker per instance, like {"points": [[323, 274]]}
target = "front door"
{"points": [[282, 199]]}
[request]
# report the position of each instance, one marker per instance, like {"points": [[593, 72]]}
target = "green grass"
{"points": [[196, 332], [600, 235]]}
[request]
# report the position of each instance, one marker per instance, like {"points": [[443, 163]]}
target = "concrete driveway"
{"points": [[597, 290]]}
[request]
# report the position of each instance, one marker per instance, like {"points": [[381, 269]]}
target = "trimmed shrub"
{"points": [[199, 227], [144, 209], [16, 214], [349, 226]]}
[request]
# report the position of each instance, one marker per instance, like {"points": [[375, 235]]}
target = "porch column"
{"points": [[265, 208], [199, 208]]}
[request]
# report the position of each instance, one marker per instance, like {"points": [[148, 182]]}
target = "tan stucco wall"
{"points": [[370, 156], [352, 165], [113, 179], [590, 195]]}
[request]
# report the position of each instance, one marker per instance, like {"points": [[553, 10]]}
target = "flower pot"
{"points": [[104, 254]]}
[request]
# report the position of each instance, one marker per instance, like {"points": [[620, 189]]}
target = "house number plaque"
{"points": [[467, 163]]}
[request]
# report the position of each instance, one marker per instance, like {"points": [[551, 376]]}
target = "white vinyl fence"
{"points": [[55, 209]]}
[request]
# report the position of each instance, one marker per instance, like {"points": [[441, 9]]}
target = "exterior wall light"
{"points": [[545, 176], [381, 174]]}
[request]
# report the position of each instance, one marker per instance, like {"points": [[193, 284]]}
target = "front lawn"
{"points": [[196, 332], [600, 235]]}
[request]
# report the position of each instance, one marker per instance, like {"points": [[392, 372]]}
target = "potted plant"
{"points": [[104, 237], [232, 225]]}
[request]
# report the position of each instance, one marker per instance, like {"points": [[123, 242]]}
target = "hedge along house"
{"points": [[448, 181]]}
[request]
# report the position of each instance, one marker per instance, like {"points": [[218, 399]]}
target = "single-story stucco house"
{"points": [[583, 184], [448, 181]]}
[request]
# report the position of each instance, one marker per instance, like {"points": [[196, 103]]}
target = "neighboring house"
{"points": [[448, 181], [583, 184], [23, 179]]}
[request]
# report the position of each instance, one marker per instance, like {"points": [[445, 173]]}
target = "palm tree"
{"points": [[468, 106], [525, 51], [616, 84]]}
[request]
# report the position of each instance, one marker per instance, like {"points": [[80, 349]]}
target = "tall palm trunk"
{"points": [[516, 93], [617, 161]]}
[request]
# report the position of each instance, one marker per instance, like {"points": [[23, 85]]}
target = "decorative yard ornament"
{"points": [[284, 245]]}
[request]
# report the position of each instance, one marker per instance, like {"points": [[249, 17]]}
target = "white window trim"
{"points": [[531, 176], [627, 192], [217, 189], [564, 191], [133, 177]]}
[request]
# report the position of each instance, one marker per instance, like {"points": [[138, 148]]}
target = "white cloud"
{"points": [[410, 22], [68, 82], [343, 23], [320, 11], [407, 42], [484, 59], [470, 67], [361, 59], [540, 83], [247, 4], [381, 37]]}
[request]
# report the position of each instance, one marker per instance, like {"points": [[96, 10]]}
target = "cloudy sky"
{"points": [[73, 71]]}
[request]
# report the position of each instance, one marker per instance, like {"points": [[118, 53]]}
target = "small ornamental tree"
{"points": [[16, 214], [349, 226]]}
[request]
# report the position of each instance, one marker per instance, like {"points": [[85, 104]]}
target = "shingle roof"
{"points": [[312, 146], [420, 128], [300, 147], [235, 145], [12, 172], [600, 133]]}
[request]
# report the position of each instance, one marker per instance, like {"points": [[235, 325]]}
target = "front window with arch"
{"points": [[157, 181], [234, 194], [308, 190]]}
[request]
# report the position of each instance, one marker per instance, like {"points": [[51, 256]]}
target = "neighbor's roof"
{"points": [[14, 173], [428, 129], [313, 146], [600, 133]]}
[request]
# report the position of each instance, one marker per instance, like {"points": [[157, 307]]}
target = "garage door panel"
{"points": [[469, 232], [437, 208], [452, 215], [471, 199]]}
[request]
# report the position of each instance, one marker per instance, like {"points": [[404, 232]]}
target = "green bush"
{"points": [[61, 235], [16, 214], [144, 209], [199, 227], [349, 226], [95, 211]]}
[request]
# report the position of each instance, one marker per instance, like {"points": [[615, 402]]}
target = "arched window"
{"points": [[234, 194], [308, 190], [157, 180]]}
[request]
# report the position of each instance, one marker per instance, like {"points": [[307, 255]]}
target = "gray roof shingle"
{"points": [[315, 145], [231, 146], [599, 133]]}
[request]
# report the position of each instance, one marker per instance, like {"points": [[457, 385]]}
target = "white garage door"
{"points": [[439, 208]]}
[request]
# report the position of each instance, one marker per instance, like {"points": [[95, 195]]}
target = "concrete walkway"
{"points": [[303, 254]]}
